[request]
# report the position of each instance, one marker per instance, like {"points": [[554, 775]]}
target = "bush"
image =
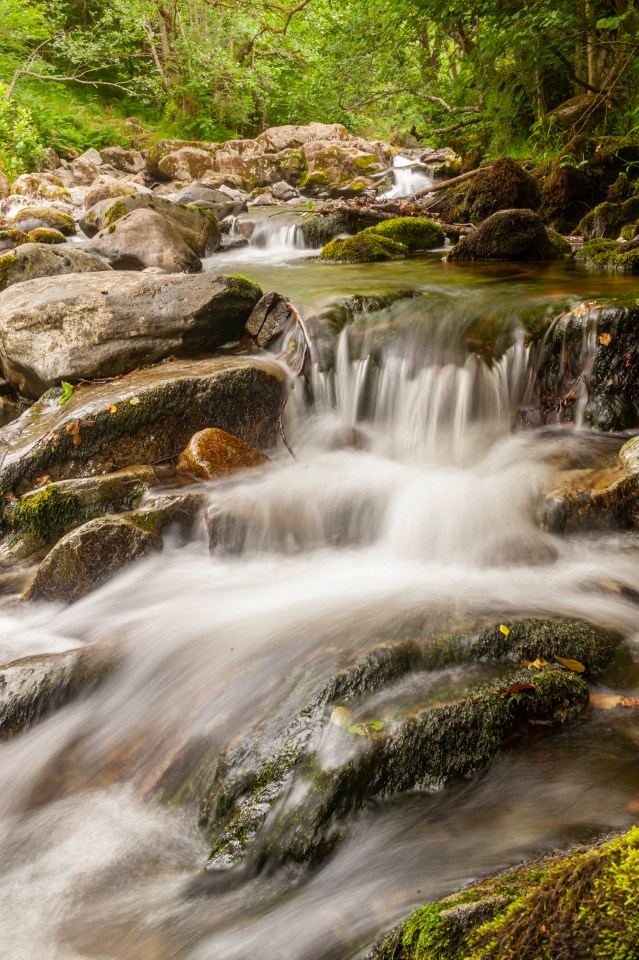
{"points": [[21, 147]]}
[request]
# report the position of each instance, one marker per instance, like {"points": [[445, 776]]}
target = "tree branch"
{"points": [[455, 126]]}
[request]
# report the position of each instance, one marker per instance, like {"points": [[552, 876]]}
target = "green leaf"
{"points": [[365, 729], [68, 392], [609, 23]]}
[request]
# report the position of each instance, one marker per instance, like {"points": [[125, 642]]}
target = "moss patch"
{"points": [[51, 218], [610, 255], [415, 233], [46, 235], [363, 248], [6, 262]]}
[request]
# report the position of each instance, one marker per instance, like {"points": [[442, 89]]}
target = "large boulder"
{"points": [[608, 219], [128, 161], [89, 555], [332, 166], [582, 112], [161, 149], [147, 416], [99, 325], [416, 233], [196, 227], [363, 248], [290, 137], [33, 260], [187, 163], [504, 185], [567, 194], [511, 235], [221, 203], [144, 239], [32, 219], [107, 188]]}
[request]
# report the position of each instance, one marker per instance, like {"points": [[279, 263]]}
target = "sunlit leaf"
{"points": [[365, 729], [605, 339], [537, 664], [134, 401], [68, 392], [112, 408], [569, 664], [504, 629], [629, 701]]}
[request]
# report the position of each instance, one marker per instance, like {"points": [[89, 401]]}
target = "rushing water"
{"points": [[410, 497]]}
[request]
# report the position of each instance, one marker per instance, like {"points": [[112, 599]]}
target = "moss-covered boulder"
{"points": [[46, 235], [576, 905], [363, 248], [146, 416], [142, 239], [610, 255], [504, 185], [196, 226], [608, 219], [415, 233], [511, 235], [11, 238], [33, 219], [567, 194], [90, 555]]}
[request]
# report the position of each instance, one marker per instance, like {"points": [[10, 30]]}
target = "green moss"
{"points": [[6, 262], [115, 211], [363, 248], [609, 254], [585, 906], [14, 236], [247, 287], [45, 514], [366, 162], [46, 235], [416, 233], [559, 246], [630, 231], [316, 179]]}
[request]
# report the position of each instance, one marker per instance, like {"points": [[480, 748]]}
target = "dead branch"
{"points": [[445, 184]]}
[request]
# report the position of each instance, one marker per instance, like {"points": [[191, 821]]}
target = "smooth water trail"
{"points": [[410, 500]]}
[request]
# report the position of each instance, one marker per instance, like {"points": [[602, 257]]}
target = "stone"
{"points": [[89, 555], [510, 235], [363, 248], [608, 219], [43, 186], [213, 453], [197, 228], [218, 201], [504, 185], [107, 188], [584, 110], [83, 327], [33, 260], [11, 238], [5, 186], [85, 168], [147, 416], [284, 191], [33, 219], [161, 149], [187, 163], [287, 137], [270, 317], [141, 239], [128, 161]]}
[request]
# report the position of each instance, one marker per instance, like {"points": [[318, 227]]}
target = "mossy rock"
{"points": [[32, 219], [503, 185], [415, 233], [12, 237], [45, 235], [610, 255], [363, 248], [510, 235], [608, 219], [630, 231]]}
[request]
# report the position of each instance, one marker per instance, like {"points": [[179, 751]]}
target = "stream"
{"points": [[410, 498]]}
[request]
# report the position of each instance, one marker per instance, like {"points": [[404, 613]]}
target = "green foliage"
{"points": [[21, 147]]}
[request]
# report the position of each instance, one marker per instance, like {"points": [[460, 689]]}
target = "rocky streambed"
{"points": [[318, 561]]}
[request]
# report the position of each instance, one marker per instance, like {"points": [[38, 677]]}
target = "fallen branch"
{"points": [[455, 126], [450, 183]]}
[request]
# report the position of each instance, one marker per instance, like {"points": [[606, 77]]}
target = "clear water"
{"points": [[430, 516]]}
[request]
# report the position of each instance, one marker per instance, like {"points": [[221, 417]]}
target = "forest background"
{"points": [[483, 77]]}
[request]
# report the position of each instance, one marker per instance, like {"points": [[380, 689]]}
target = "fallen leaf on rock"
{"points": [[42, 481], [112, 409], [536, 664], [605, 339], [633, 806], [73, 428], [366, 729], [504, 629], [518, 688], [342, 717], [68, 392], [569, 664], [134, 401]]}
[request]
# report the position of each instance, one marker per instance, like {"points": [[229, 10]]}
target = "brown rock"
{"points": [[5, 186], [108, 189], [89, 555], [141, 239], [215, 453]]}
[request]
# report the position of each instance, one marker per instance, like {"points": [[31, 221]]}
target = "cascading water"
{"points": [[410, 499], [409, 177]]}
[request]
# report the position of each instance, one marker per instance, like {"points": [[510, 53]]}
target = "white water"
{"points": [[409, 178], [429, 515]]}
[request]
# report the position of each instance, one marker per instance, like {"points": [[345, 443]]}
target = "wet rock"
{"points": [[270, 317], [610, 255], [32, 219], [608, 219], [567, 194], [284, 191], [90, 555], [34, 687], [9, 411], [233, 243], [33, 260], [143, 239], [144, 417], [416, 233], [213, 453], [511, 235], [101, 326], [128, 161], [196, 227], [363, 248], [218, 201], [47, 513]]}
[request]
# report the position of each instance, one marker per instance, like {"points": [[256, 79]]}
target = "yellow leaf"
{"points": [[629, 701], [504, 629], [605, 339], [569, 664], [342, 717], [537, 664], [112, 409], [134, 401]]}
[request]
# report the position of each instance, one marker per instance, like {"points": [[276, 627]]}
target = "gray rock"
{"points": [[197, 228], [89, 555], [233, 243], [147, 416], [128, 161], [143, 239], [270, 317], [283, 191], [510, 235], [33, 260], [102, 326], [218, 201]]}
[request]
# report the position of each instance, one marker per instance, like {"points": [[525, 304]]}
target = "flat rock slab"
{"points": [[147, 416], [98, 325], [30, 261]]}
